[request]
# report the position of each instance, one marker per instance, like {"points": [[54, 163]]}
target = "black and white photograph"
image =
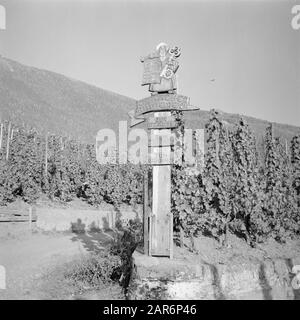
{"points": [[149, 151]]}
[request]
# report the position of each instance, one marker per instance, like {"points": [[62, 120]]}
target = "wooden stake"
{"points": [[150, 216], [217, 152], [181, 235], [61, 143], [30, 217], [8, 140], [145, 207], [161, 220], [171, 233], [1, 135], [46, 155]]}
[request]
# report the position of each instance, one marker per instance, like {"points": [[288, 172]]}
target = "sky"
{"points": [[237, 56]]}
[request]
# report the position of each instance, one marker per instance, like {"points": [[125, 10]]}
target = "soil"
{"points": [[36, 263], [208, 250]]}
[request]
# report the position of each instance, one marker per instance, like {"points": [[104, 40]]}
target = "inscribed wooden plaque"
{"points": [[162, 123], [163, 102], [151, 74]]}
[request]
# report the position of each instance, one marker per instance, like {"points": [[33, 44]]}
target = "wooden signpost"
{"points": [[161, 219], [160, 75]]}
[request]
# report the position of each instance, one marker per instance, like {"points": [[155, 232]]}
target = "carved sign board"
{"points": [[135, 120], [162, 123], [152, 68], [163, 102]]}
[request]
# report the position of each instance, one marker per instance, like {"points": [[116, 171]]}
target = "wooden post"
{"points": [[150, 213], [1, 135], [8, 140], [162, 220], [46, 155], [217, 152], [2, 278], [163, 100], [171, 223], [61, 143], [112, 225], [30, 218], [181, 235], [145, 214]]}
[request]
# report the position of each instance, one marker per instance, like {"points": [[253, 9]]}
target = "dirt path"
{"points": [[29, 259], [35, 263]]}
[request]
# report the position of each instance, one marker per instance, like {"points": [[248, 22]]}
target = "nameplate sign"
{"points": [[162, 123], [163, 102]]}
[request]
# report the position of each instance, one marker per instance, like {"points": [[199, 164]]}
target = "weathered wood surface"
{"points": [[162, 123], [161, 155], [160, 69], [145, 214], [16, 215], [164, 141], [161, 219], [163, 102], [152, 69], [161, 226]]}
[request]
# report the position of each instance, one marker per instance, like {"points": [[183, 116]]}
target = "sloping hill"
{"points": [[52, 102], [198, 119]]}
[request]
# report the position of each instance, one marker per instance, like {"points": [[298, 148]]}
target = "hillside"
{"points": [[55, 103], [199, 118], [52, 102]]}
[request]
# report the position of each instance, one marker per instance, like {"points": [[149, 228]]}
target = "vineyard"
{"points": [[254, 194]]}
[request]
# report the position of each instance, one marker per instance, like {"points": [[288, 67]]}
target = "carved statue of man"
{"points": [[160, 69]]}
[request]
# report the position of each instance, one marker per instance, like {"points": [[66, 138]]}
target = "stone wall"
{"points": [[162, 278]]}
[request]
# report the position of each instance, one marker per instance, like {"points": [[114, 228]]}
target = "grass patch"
{"points": [[95, 271]]}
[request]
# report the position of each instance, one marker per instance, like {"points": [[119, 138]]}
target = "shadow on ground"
{"points": [[93, 240]]}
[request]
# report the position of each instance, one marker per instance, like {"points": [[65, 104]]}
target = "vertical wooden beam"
{"points": [[46, 155], [61, 143], [2, 278], [8, 140], [217, 152], [1, 135], [171, 222], [145, 214], [181, 236], [150, 197], [161, 236], [30, 217], [162, 230]]}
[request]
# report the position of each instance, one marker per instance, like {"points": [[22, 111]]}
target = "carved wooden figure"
{"points": [[160, 69]]}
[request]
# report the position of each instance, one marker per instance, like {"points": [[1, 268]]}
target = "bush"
{"points": [[95, 271], [235, 190]]}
